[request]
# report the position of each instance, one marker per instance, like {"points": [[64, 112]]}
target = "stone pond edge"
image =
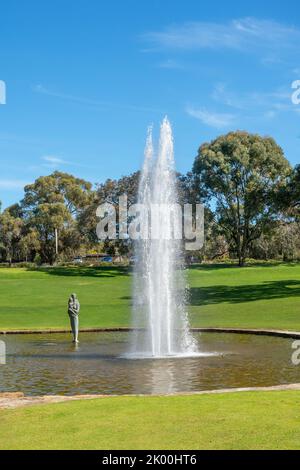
{"points": [[10, 400], [254, 331]]}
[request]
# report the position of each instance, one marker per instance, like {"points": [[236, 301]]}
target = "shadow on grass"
{"points": [[258, 264], [85, 271], [248, 293]]}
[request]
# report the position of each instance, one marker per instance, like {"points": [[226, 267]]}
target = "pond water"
{"points": [[46, 364]]}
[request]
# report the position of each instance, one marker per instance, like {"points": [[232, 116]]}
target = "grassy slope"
{"points": [[38, 299], [225, 421], [257, 296]]}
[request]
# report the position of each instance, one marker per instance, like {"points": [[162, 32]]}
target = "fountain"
{"points": [[159, 313]]}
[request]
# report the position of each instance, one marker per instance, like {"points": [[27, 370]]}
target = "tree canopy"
{"points": [[250, 191], [241, 174], [53, 203]]}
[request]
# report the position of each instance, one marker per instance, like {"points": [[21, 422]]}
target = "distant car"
{"points": [[77, 260], [107, 259]]}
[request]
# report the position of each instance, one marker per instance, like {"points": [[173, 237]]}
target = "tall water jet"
{"points": [[159, 286]]}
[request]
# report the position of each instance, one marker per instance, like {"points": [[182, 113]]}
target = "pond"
{"points": [[46, 364]]}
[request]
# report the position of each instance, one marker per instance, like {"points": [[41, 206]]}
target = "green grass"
{"points": [[248, 420], [38, 298], [258, 296]]}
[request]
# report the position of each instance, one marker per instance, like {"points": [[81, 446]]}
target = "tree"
{"points": [[53, 203], [289, 198], [10, 234], [109, 192], [241, 174], [29, 244]]}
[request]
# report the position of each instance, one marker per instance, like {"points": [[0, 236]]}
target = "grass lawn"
{"points": [[258, 296], [247, 420]]}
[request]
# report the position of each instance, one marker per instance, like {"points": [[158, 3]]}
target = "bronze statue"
{"points": [[73, 311]]}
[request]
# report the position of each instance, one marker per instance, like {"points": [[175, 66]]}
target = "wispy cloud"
{"points": [[270, 114], [53, 161], [222, 95], [238, 34], [170, 64], [210, 118], [12, 184], [245, 106], [56, 162], [267, 103], [97, 104], [10, 138]]}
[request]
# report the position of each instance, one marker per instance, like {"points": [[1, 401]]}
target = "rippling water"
{"points": [[51, 364]]}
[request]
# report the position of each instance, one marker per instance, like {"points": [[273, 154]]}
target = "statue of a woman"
{"points": [[73, 311]]}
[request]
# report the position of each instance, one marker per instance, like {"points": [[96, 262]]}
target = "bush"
{"points": [[37, 260]]}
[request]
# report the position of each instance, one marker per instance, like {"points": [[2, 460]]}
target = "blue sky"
{"points": [[85, 78]]}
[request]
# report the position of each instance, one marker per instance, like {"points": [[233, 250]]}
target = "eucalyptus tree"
{"points": [[10, 234], [242, 174], [290, 198], [52, 205]]}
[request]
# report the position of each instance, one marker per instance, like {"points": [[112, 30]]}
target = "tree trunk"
{"points": [[242, 254], [241, 261]]}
